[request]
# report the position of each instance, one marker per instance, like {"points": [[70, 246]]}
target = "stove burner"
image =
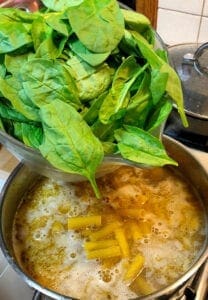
{"points": [[190, 139]]}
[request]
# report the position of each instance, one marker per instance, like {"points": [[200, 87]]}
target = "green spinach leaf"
{"points": [[14, 63], [32, 135], [58, 22], [158, 85], [90, 81], [91, 113], [47, 80], [59, 5], [118, 97], [140, 23], [159, 114], [93, 59], [13, 35], [1, 125], [11, 114], [102, 24], [139, 146], [173, 86], [40, 31], [139, 104], [11, 89], [68, 143]]}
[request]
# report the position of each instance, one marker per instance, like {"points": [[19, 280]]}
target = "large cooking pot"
{"points": [[190, 62], [22, 177]]}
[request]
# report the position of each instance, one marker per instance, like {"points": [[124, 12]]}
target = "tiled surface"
{"points": [[176, 27], [183, 21], [3, 263], [13, 288], [203, 34], [205, 11], [188, 6]]}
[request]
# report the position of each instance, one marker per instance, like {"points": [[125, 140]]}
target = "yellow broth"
{"points": [[142, 235]]}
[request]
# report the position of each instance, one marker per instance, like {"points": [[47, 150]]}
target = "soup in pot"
{"points": [[147, 230]]}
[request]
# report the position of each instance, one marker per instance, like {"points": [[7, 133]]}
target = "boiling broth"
{"points": [[159, 214]]}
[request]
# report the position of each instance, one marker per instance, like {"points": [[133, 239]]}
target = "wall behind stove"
{"points": [[183, 21]]}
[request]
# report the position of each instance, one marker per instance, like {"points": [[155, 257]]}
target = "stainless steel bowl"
{"points": [[22, 177]]}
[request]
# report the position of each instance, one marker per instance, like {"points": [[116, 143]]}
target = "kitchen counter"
{"points": [[7, 162]]}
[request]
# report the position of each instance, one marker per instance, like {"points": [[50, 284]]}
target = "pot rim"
{"points": [[192, 114], [170, 289]]}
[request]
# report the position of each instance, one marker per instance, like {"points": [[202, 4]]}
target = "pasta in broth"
{"points": [[145, 232]]}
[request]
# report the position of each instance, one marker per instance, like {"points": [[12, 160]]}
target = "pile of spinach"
{"points": [[82, 79]]}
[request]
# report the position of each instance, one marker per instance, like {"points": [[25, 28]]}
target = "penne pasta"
{"points": [[83, 221]]}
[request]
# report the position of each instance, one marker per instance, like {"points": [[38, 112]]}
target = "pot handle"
{"points": [[198, 59], [198, 289], [37, 296], [199, 62]]}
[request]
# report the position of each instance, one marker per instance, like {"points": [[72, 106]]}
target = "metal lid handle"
{"points": [[201, 59]]}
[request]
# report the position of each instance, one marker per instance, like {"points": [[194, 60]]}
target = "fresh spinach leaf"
{"points": [[173, 87], [68, 143], [91, 113], [40, 31], [162, 54], [79, 69], [105, 132], [47, 80], [49, 49], [139, 104], [17, 15], [93, 59], [158, 114], [109, 148], [11, 89], [102, 24], [10, 113], [118, 97], [136, 21], [32, 135], [139, 146], [90, 81], [45, 44], [59, 5], [13, 35], [158, 85], [58, 22], [140, 23], [1, 125], [2, 70], [128, 44], [94, 85], [13, 62], [17, 130]]}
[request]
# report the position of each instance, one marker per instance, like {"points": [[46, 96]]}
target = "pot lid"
{"points": [[191, 63]]}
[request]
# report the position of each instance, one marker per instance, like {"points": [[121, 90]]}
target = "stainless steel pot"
{"points": [[193, 282], [190, 62]]}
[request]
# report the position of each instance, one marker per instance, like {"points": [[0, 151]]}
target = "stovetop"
{"points": [[11, 285], [188, 138]]}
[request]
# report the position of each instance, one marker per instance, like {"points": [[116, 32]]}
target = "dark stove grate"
{"points": [[192, 140]]}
